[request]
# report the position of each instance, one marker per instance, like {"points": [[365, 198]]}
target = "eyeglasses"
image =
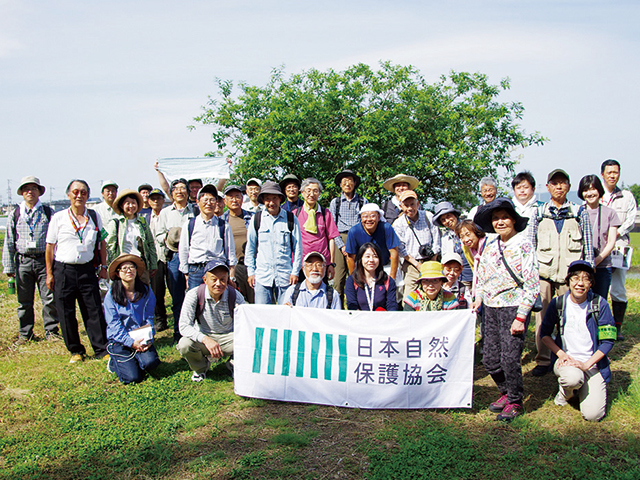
{"points": [[79, 193], [206, 200], [317, 265], [371, 216], [584, 278], [128, 268]]}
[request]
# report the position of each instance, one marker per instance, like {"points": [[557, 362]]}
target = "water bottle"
{"points": [[12, 286]]}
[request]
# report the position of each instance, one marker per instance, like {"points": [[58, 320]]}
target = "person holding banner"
{"points": [[369, 287], [312, 291], [129, 308], [507, 284], [430, 296]]}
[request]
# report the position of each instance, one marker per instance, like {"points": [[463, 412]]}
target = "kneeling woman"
{"points": [[369, 287], [129, 305], [430, 296], [585, 335]]}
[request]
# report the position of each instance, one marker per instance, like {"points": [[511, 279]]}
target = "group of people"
{"points": [[274, 243]]}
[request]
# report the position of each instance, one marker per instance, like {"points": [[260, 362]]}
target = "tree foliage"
{"points": [[635, 189], [378, 123]]}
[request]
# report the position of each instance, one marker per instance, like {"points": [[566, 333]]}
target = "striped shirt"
{"points": [[32, 226], [349, 214], [425, 229]]}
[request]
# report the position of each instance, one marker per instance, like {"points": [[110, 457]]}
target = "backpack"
{"points": [[594, 309], [231, 300], [339, 202], [257, 219], [296, 293], [221, 223], [96, 249], [16, 215], [326, 233]]}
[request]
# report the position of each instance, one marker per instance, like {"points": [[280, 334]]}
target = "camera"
{"points": [[426, 252]]}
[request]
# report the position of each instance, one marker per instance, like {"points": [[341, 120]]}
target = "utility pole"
{"points": [[51, 189], [8, 191]]}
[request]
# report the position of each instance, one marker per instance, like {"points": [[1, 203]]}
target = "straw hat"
{"points": [[173, 239], [390, 182], [127, 192], [125, 257]]}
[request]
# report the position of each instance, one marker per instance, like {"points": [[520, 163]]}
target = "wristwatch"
{"points": [[332, 265], [233, 279], [104, 267]]}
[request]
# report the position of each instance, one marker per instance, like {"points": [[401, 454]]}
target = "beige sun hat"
{"points": [[173, 239], [127, 192], [30, 179], [390, 182], [125, 257]]}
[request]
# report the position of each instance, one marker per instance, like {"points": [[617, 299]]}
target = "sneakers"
{"points": [[77, 357], [540, 370], [560, 399], [198, 377], [511, 411], [498, 405]]}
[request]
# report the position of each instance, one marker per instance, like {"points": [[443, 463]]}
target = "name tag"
{"points": [[81, 248], [32, 245]]}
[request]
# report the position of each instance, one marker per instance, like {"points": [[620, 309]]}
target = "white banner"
{"points": [[355, 359], [208, 169]]}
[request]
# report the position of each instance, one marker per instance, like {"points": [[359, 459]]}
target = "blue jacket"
{"points": [[122, 319], [551, 321]]}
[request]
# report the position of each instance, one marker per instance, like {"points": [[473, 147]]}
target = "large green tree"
{"points": [[378, 123]]}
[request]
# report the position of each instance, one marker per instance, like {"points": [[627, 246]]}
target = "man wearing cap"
{"points": [[105, 208], [488, 192], [273, 241], [346, 214], [585, 333], [373, 228], [317, 228], [397, 185], [205, 238], [290, 186], [419, 238], [173, 217], [624, 203], [206, 320], [238, 220], [74, 238], [23, 258], [161, 278], [144, 191], [561, 234], [312, 292], [253, 190]]}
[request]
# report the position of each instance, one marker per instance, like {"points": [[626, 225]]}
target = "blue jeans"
{"points": [[196, 272], [269, 295], [130, 365], [177, 289], [603, 281]]}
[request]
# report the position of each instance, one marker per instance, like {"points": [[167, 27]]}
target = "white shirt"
{"points": [[73, 247], [105, 212], [206, 243], [131, 236], [576, 337]]}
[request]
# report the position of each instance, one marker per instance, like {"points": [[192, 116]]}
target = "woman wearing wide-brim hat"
{"points": [[130, 232], [397, 185], [507, 285], [129, 310], [429, 296]]}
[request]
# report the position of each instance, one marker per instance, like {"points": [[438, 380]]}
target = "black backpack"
{"points": [[221, 224], [16, 215], [296, 293], [339, 202], [257, 219]]}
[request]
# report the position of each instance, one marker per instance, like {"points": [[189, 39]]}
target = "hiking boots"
{"points": [[498, 405], [511, 411]]}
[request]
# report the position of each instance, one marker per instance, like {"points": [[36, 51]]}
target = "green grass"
{"points": [[62, 421]]}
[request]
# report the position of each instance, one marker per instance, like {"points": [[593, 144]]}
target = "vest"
{"points": [[555, 250]]}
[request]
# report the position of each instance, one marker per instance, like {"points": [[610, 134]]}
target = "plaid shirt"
{"points": [[424, 228], [567, 210], [349, 214], [18, 244]]}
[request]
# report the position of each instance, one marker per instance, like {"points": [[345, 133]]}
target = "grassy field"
{"points": [[63, 421]]}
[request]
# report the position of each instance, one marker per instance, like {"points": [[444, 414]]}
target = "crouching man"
{"points": [[206, 320]]}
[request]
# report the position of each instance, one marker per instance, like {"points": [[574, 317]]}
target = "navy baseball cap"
{"points": [[213, 264], [580, 266]]}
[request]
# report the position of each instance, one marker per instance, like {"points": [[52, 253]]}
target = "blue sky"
{"points": [[101, 89]]}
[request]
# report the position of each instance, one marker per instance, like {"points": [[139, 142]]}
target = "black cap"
{"points": [[208, 188]]}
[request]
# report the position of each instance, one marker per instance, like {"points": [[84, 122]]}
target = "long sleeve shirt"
{"points": [[424, 232], [495, 285], [171, 217], [121, 319], [273, 253], [559, 216], [206, 243], [30, 235], [215, 318]]}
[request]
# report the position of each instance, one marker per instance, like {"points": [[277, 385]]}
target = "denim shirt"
{"points": [[122, 319], [272, 264]]}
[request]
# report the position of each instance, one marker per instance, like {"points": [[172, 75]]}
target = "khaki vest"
{"points": [[556, 250]]}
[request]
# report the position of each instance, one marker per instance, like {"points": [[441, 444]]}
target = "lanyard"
{"points": [[370, 292], [29, 217], [76, 226]]}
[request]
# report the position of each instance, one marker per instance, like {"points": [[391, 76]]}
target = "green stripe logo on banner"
{"points": [[300, 357]]}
